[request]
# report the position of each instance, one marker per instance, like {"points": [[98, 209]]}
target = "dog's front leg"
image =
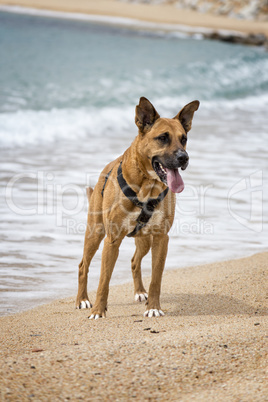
{"points": [[92, 242], [159, 253], [109, 256]]}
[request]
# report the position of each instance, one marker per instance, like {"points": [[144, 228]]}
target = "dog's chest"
{"points": [[155, 222]]}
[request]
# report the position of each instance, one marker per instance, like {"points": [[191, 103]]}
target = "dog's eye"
{"points": [[183, 140], [163, 138]]}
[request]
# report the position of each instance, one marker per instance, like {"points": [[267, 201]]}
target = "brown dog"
{"points": [[132, 198]]}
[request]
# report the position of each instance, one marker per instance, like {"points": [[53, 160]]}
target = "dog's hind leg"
{"points": [[159, 253], [143, 245]]}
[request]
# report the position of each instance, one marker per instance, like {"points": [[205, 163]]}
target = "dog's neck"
{"points": [[138, 174]]}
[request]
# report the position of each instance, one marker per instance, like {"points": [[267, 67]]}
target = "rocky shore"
{"points": [[240, 9], [253, 10], [237, 21]]}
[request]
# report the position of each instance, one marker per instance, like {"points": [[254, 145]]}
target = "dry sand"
{"points": [[146, 12], [210, 346]]}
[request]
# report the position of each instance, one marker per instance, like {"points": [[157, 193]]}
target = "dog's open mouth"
{"points": [[170, 177]]}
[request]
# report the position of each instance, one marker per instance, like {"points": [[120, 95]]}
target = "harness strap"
{"points": [[105, 181], [147, 208], [127, 190]]}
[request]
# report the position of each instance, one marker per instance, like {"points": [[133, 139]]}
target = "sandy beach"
{"points": [[159, 14], [211, 344]]}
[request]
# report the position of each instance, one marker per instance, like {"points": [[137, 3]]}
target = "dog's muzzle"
{"points": [[167, 169], [182, 159]]}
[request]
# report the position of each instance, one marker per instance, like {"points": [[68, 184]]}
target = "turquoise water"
{"points": [[51, 63], [67, 101]]}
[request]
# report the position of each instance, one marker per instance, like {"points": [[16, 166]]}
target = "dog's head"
{"points": [[163, 142]]}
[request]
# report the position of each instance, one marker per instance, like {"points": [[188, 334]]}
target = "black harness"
{"points": [[105, 181], [147, 208]]}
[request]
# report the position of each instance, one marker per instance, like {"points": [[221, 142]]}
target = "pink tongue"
{"points": [[174, 181]]}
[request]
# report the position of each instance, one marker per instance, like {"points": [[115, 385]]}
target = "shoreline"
{"points": [[123, 282], [147, 17], [210, 344]]}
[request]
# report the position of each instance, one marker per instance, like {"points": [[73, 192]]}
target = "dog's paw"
{"points": [[84, 304], [97, 313], [153, 312], [94, 317], [140, 297]]}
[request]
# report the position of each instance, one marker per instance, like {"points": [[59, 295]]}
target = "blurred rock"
{"points": [[241, 9], [252, 39]]}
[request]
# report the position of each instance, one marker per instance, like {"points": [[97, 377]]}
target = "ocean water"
{"points": [[68, 91]]}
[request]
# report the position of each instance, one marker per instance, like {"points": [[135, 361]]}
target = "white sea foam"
{"points": [[26, 127], [38, 127]]}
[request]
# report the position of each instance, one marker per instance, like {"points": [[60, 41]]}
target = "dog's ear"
{"points": [[185, 116], [146, 115]]}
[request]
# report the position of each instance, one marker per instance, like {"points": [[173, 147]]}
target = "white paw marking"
{"points": [[94, 316], [153, 313], [139, 297], [85, 304]]}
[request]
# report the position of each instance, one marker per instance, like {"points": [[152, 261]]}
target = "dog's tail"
{"points": [[89, 192]]}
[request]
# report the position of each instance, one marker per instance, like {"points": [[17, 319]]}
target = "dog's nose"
{"points": [[182, 157]]}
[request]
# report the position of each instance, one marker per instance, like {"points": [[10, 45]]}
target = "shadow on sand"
{"points": [[209, 304]]}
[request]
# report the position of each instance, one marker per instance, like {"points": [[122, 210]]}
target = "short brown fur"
{"points": [[112, 214]]}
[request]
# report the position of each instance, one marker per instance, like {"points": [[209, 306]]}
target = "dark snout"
{"points": [[178, 159], [182, 159]]}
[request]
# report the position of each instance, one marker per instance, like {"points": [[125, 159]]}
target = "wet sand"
{"points": [[211, 344], [166, 14]]}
